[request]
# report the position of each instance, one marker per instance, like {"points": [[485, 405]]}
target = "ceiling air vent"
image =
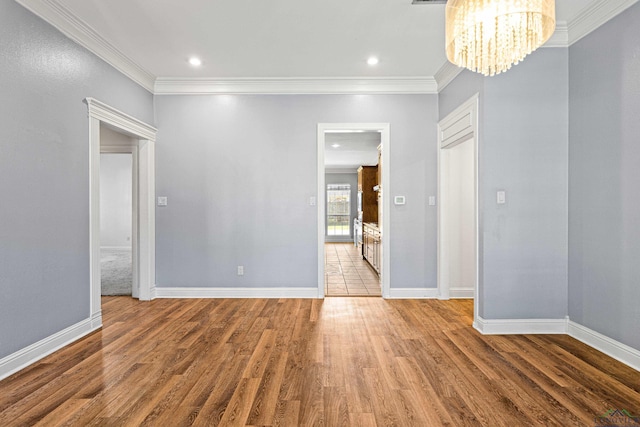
{"points": [[429, 2]]}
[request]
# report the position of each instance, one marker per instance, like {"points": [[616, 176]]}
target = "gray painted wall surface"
{"points": [[604, 180], [44, 173], [116, 202], [523, 123], [238, 172], [525, 152], [352, 180]]}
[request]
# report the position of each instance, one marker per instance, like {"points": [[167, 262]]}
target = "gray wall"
{"points": [[238, 172], [523, 149], [116, 202], [44, 173], [525, 152], [604, 179], [352, 180]]}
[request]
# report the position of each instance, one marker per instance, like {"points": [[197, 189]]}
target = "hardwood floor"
{"points": [[337, 362]]}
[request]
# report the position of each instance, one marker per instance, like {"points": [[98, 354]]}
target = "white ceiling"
{"points": [[355, 149], [275, 38]]}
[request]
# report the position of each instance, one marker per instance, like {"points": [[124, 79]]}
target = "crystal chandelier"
{"points": [[489, 36]]}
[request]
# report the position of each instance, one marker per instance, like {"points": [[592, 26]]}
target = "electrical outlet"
{"points": [[240, 270]]}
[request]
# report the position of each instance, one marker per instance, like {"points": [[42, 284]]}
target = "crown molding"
{"points": [[296, 85], [594, 16], [560, 37], [71, 26], [446, 74], [53, 12]]}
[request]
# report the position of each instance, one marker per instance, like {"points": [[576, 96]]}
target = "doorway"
{"points": [[341, 269], [141, 142], [458, 238], [118, 215]]}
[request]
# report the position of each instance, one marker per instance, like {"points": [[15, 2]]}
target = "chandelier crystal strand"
{"points": [[489, 36]]}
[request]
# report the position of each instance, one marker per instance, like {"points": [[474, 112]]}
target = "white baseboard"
{"points": [[413, 293], [615, 349], [31, 354], [520, 326], [461, 293], [235, 292]]}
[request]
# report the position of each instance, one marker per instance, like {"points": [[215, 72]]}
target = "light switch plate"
{"points": [[501, 197], [399, 200], [162, 201], [432, 200], [312, 201]]}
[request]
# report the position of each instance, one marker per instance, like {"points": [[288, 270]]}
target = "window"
{"points": [[338, 210]]}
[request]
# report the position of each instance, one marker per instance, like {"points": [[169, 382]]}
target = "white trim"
{"points": [[146, 218], [560, 37], [77, 30], [413, 293], [595, 15], [520, 326], [236, 292], [446, 74], [384, 129], [117, 248], [56, 14], [100, 112], [31, 354], [107, 114], [615, 349], [296, 85], [461, 293], [458, 126], [95, 290]]}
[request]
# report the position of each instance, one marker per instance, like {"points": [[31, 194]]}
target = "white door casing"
{"points": [[100, 112]]}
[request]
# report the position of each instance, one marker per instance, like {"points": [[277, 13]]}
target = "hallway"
{"points": [[347, 274]]}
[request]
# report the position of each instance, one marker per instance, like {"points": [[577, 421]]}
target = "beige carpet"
{"points": [[116, 271]]}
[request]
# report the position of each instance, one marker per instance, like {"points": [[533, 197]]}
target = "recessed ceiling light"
{"points": [[195, 61], [373, 60], [335, 145]]}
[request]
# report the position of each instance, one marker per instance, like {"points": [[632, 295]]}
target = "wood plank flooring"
{"points": [[289, 362]]}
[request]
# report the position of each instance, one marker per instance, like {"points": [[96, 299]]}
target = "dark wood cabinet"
{"points": [[372, 245], [367, 179]]}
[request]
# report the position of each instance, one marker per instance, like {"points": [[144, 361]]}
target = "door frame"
{"points": [[459, 126], [135, 220], [101, 113], [384, 130]]}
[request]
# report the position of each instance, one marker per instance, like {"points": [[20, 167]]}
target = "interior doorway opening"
{"points": [[141, 143], [342, 149], [118, 214], [458, 213]]}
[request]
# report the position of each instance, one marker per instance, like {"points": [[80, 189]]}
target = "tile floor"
{"points": [[346, 273]]}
